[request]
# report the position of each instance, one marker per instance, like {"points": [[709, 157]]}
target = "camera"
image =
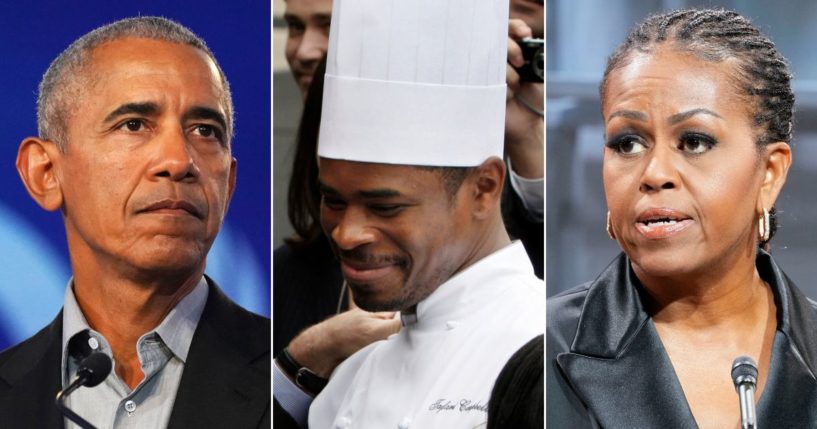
{"points": [[533, 50]]}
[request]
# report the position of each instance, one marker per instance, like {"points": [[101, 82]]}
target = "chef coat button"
{"points": [[451, 324], [343, 423], [405, 423]]}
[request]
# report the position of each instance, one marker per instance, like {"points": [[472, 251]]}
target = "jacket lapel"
{"points": [[226, 378], [30, 379], [617, 364], [790, 396], [620, 370]]}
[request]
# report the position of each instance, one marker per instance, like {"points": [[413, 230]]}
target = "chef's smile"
{"points": [[362, 272]]}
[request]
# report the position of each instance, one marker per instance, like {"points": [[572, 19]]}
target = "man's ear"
{"points": [[777, 160], [36, 163], [487, 182], [231, 182]]}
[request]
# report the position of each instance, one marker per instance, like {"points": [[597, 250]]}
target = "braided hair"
{"points": [[716, 35]]}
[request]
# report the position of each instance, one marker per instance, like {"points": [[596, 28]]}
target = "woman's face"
{"points": [[682, 173]]}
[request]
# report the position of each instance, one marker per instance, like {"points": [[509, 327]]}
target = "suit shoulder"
{"points": [[26, 347], [563, 313], [16, 361], [232, 324], [35, 343], [564, 306], [220, 305], [21, 347], [244, 321]]}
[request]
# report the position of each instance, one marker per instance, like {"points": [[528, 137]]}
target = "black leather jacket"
{"points": [[607, 367]]}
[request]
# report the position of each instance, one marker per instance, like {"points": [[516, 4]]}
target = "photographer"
{"points": [[524, 147]]}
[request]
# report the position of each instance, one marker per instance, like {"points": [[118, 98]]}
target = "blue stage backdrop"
{"points": [[34, 263]]}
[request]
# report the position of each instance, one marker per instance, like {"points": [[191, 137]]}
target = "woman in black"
{"points": [[697, 109]]}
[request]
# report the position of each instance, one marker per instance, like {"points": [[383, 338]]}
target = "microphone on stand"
{"points": [[92, 370], [744, 375]]}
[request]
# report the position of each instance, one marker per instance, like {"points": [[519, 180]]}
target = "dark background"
{"points": [[34, 266]]}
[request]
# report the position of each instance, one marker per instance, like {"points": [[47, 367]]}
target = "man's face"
{"points": [[308, 37], [147, 172], [395, 229]]}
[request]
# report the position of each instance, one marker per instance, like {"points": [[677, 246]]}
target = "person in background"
{"points": [[307, 38]]}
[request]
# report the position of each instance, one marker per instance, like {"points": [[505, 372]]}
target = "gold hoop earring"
{"points": [[763, 226], [610, 227]]}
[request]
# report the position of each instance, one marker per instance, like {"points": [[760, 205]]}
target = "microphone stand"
{"points": [[748, 419], [744, 376], [92, 371], [67, 412]]}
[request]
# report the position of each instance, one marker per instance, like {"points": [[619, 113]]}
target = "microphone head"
{"points": [[95, 368], [744, 370]]}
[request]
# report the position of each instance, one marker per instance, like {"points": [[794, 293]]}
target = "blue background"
{"points": [[34, 266]]}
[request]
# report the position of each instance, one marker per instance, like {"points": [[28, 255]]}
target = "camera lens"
{"points": [[538, 63]]}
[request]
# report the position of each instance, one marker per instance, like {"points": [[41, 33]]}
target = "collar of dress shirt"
{"points": [[176, 329]]}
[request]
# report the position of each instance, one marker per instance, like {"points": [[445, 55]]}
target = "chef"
{"points": [[411, 176]]}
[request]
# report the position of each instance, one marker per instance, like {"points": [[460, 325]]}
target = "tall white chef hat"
{"points": [[415, 82]]}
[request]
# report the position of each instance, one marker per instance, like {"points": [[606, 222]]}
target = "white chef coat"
{"points": [[438, 371]]}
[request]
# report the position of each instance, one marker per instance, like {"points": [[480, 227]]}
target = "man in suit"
{"points": [[135, 124]]}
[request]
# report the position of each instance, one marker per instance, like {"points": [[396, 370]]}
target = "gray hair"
{"points": [[62, 83]]}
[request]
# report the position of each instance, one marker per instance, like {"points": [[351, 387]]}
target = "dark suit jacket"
{"points": [[225, 382], [607, 367]]}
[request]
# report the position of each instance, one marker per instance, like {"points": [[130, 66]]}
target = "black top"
{"points": [[606, 365], [306, 289], [518, 397], [522, 227]]}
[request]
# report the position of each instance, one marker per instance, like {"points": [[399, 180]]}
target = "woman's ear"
{"points": [[36, 164]]}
